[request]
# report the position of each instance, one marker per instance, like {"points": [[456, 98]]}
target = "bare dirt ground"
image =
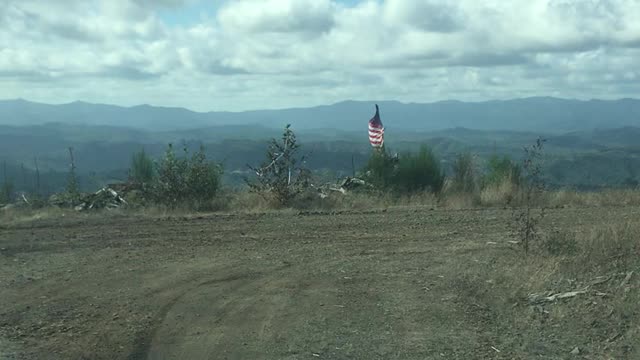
{"points": [[407, 283]]}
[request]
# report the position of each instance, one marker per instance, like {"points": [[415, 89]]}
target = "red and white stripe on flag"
{"points": [[376, 130], [376, 135]]}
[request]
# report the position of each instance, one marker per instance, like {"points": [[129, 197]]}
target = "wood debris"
{"points": [[600, 280], [626, 279], [538, 298], [105, 198], [614, 337]]}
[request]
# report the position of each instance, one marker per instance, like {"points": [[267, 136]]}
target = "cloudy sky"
{"points": [[255, 54]]}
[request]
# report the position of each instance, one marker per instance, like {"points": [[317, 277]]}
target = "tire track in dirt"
{"points": [[143, 341], [312, 308], [237, 319]]}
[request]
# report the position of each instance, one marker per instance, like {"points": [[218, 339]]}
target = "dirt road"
{"points": [[354, 285]]}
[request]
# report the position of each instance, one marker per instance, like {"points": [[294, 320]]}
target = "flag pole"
{"points": [[353, 166]]}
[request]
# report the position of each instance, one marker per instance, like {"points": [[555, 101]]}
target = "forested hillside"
{"points": [[581, 159]]}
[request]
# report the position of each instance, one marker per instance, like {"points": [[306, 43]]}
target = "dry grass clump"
{"points": [[15, 217], [246, 201], [459, 201], [252, 202], [502, 193], [19, 217], [424, 198]]}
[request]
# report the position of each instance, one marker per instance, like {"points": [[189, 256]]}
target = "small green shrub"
{"points": [[188, 180]]}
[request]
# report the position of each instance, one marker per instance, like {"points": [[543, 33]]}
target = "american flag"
{"points": [[376, 130]]}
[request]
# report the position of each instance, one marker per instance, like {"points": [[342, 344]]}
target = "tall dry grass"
{"points": [[611, 246], [599, 265], [502, 193], [507, 193], [610, 197]]}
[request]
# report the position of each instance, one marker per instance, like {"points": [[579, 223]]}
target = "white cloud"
{"points": [[431, 15], [277, 16], [279, 53]]}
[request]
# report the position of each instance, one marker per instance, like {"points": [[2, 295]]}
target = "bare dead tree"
{"points": [[281, 175], [6, 190], [24, 177], [35, 161], [527, 218], [72, 181]]}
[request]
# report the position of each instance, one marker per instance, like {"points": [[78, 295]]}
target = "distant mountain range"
{"points": [[550, 115]]}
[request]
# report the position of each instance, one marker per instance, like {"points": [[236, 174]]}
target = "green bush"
{"points": [[418, 172], [188, 180], [405, 174]]}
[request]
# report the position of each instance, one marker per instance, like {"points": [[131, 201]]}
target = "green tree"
{"points": [[170, 183], [203, 178], [142, 168]]}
